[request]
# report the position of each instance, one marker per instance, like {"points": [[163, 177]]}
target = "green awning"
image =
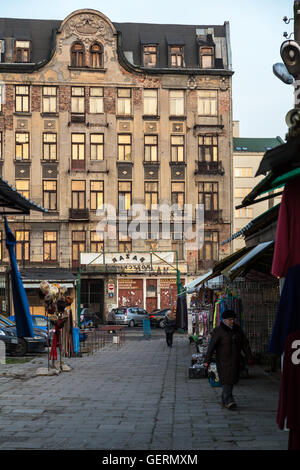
{"points": [[269, 183]]}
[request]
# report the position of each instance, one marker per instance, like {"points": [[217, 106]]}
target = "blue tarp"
{"points": [[22, 313]]}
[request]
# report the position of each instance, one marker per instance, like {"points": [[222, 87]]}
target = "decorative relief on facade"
{"points": [[87, 28]]}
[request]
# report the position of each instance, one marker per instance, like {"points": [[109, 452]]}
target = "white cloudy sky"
{"points": [[260, 100]]}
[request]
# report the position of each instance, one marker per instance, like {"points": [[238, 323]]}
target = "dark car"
{"points": [[157, 317], [35, 344], [10, 339]]}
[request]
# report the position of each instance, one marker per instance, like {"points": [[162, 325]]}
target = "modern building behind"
{"points": [[95, 112], [247, 155]]}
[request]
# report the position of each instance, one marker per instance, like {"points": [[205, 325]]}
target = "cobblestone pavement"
{"points": [[137, 396]]}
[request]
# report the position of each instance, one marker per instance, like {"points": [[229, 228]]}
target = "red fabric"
{"points": [[294, 440], [289, 394], [287, 244]]}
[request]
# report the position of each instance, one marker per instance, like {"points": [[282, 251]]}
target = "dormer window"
{"points": [[96, 56], [176, 56], [77, 55], [22, 51], [207, 57], [150, 55]]}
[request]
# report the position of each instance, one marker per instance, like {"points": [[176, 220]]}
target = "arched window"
{"points": [[96, 56], [77, 55]]}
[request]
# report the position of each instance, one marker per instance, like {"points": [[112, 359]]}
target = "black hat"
{"points": [[228, 314]]}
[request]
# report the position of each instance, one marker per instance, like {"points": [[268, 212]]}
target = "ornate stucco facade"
{"points": [[95, 112]]}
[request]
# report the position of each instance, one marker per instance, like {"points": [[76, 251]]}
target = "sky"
{"points": [[260, 100]]}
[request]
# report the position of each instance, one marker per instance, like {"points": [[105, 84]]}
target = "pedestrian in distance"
{"points": [[228, 340], [170, 327]]}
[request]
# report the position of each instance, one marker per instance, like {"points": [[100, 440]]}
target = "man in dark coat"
{"points": [[228, 340]]}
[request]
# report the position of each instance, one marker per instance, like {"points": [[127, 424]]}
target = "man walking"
{"points": [[228, 340]]}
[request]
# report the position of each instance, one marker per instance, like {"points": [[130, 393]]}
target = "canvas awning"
{"points": [[191, 286], [12, 202], [261, 221], [269, 183], [251, 258]]}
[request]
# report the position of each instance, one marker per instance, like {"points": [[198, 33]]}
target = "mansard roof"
{"points": [[42, 34]]}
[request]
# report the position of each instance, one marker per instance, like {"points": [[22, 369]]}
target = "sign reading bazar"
{"points": [[132, 258]]}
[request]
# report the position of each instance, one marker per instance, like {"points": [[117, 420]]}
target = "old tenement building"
{"points": [[95, 112]]}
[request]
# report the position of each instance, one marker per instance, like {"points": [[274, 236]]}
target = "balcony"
{"points": [[213, 216], [209, 168], [78, 214], [77, 118]]}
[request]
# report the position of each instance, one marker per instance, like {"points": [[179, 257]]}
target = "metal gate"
{"points": [[260, 302]]}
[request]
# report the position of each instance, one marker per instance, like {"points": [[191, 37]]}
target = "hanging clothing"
{"points": [[287, 317], [289, 403], [287, 244]]}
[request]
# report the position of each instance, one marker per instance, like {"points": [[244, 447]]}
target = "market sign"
{"points": [[143, 259]]}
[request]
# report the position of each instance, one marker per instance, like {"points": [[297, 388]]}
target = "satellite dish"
{"points": [[282, 73]]}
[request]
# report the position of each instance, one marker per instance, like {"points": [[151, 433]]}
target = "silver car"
{"points": [[131, 316]]}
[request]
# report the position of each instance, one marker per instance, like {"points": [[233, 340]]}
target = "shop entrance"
{"points": [[92, 296]]}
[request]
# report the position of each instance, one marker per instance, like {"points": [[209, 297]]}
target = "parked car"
{"points": [[131, 316], [34, 344], [157, 317], [39, 322], [10, 339]]}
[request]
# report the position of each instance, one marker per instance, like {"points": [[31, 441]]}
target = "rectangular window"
{"points": [[1, 146], [177, 56], [150, 55], [97, 146], [125, 243], [50, 195], [206, 57], [49, 146], [151, 148], [151, 195], [241, 192], [22, 186], [22, 245], [124, 147], [207, 148], [96, 195], [124, 195], [1, 248], [78, 151], [78, 245], [124, 101], [176, 102], [22, 99], [243, 172], [22, 146], [207, 103], [96, 100], [208, 195], [50, 246], [150, 102], [49, 99], [22, 51], [210, 248], [244, 212], [177, 194], [77, 100], [96, 242], [177, 148], [78, 194]]}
